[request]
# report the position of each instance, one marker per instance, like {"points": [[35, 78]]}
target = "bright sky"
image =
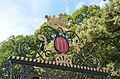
{"points": [[23, 17]]}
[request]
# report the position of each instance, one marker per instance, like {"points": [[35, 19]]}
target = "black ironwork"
{"points": [[39, 61], [28, 68], [25, 48], [55, 65]]}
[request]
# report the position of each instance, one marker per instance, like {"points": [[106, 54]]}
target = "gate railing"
{"points": [[32, 65], [56, 65]]}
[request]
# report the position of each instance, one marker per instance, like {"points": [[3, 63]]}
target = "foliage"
{"points": [[85, 12], [104, 33], [10, 47], [98, 28]]}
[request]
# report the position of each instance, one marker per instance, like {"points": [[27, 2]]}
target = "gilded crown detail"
{"points": [[60, 21]]}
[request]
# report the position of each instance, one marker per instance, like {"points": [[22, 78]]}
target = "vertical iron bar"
{"points": [[11, 71], [92, 77], [21, 72], [99, 77]]}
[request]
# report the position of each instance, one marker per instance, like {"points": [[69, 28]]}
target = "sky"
{"points": [[23, 17]]}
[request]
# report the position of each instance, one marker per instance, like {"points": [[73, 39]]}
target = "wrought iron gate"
{"points": [[65, 60], [28, 68]]}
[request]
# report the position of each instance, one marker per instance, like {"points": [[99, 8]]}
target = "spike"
{"points": [[13, 57], [78, 66], [26, 59], [53, 63], [30, 59], [17, 57], [22, 58]]}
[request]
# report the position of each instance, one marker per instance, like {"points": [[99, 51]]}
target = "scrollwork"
{"points": [[40, 50], [27, 50]]}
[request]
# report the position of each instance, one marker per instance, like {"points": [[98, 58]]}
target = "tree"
{"points": [[10, 47], [85, 12], [104, 33], [97, 27]]}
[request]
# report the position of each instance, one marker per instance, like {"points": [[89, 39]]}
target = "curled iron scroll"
{"points": [[40, 50], [27, 50]]}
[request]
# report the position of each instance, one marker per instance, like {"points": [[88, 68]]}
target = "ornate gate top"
{"points": [[64, 53], [65, 43]]}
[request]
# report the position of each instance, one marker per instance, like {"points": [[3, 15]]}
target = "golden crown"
{"points": [[60, 21]]}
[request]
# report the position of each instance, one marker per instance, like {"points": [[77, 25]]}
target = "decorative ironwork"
{"points": [[25, 49], [49, 69], [62, 58], [56, 22], [62, 39], [61, 44], [65, 59], [56, 65]]}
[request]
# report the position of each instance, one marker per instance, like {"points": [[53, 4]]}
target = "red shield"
{"points": [[61, 44]]}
